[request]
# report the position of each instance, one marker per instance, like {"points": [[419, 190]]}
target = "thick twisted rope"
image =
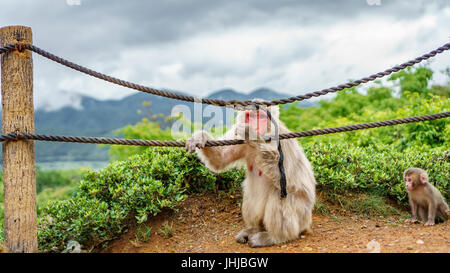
{"points": [[231, 103], [7, 48], [365, 126], [211, 143]]}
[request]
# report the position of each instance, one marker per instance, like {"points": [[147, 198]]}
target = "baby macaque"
{"points": [[424, 198]]}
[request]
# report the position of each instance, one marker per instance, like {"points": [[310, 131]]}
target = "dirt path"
{"points": [[209, 223]]}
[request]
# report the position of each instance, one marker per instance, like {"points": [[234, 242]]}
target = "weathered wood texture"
{"points": [[19, 172]]}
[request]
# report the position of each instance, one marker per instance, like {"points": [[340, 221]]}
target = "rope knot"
{"points": [[20, 46]]}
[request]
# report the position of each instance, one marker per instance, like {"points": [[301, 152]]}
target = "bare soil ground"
{"points": [[209, 223]]}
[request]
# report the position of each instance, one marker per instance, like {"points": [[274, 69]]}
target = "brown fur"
{"points": [[269, 219], [425, 200]]}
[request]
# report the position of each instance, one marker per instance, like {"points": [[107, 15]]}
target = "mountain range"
{"points": [[93, 117]]}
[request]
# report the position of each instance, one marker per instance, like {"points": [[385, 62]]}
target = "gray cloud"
{"points": [[141, 22], [199, 46]]}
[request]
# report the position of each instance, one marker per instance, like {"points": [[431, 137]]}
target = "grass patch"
{"points": [[167, 229], [143, 233], [365, 205], [321, 208]]}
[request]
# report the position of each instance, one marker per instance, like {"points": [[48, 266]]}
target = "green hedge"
{"points": [[375, 169], [107, 200], [140, 186]]}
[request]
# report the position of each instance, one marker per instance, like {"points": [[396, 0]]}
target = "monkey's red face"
{"points": [[257, 120]]}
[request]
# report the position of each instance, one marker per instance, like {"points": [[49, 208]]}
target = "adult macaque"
{"points": [[269, 218], [424, 198]]}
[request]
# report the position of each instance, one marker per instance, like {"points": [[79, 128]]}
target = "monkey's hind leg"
{"points": [[442, 213], [243, 235], [423, 214], [260, 239]]}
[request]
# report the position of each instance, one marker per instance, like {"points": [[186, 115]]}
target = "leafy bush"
{"points": [[141, 186], [379, 170], [413, 80], [84, 219]]}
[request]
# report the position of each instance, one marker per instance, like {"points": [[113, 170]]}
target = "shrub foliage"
{"points": [[141, 186], [145, 184]]}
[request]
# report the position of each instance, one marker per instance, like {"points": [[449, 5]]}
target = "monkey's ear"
{"points": [[423, 178]]}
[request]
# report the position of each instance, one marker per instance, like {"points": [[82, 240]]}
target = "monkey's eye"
{"points": [[262, 116], [252, 115]]}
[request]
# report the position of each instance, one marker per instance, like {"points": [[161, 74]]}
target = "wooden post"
{"points": [[19, 172]]}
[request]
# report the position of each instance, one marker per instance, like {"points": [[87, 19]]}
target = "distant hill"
{"points": [[227, 94], [260, 93], [93, 117]]}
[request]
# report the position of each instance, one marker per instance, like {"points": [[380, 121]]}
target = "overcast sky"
{"points": [[200, 46]]}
